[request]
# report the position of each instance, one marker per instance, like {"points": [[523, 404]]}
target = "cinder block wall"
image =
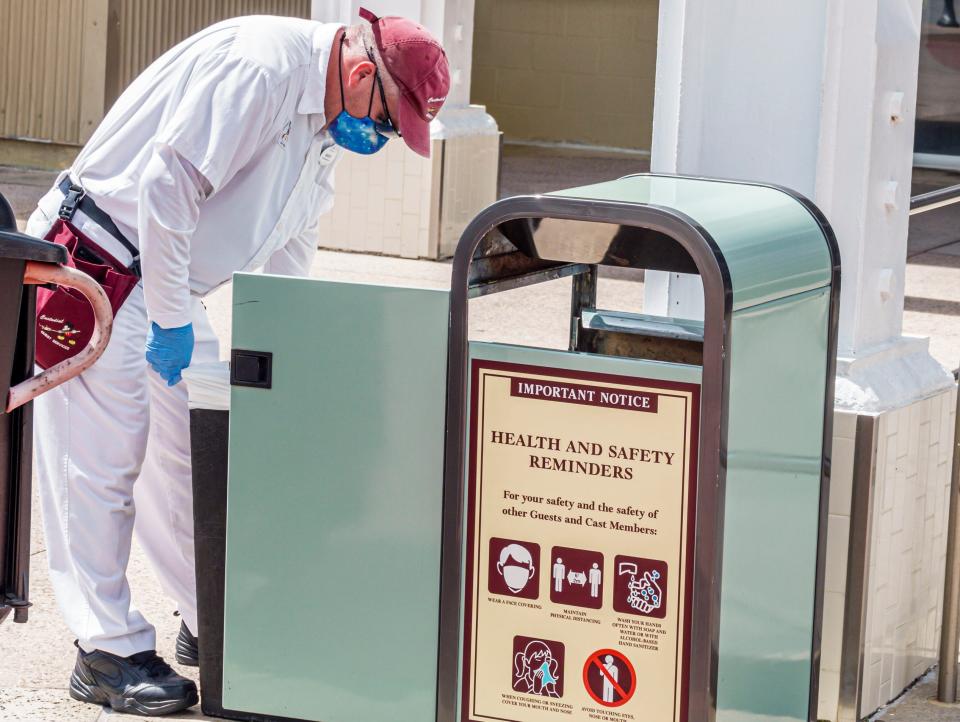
{"points": [[567, 70]]}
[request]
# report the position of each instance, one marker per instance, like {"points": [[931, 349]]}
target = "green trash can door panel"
{"points": [[773, 485], [334, 502], [772, 244]]}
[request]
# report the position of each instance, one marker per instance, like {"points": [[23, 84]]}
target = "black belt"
{"points": [[76, 198]]}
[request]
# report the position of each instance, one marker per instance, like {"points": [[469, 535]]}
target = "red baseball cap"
{"points": [[418, 65]]}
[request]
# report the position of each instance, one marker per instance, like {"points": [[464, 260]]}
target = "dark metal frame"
{"points": [[17, 304], [827, 453], [698, 245], [16, 452], [858, 562]]}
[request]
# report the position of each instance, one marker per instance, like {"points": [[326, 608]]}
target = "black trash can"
{"points": [[17, 304], [209, 432], [209, 442]]}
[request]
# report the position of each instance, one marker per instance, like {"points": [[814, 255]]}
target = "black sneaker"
{"points": [[188, 649], [139, 684]]}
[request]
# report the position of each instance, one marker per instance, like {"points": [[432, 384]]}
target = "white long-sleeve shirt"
{"points": [[213, 160]]}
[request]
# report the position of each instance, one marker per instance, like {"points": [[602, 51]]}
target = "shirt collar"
{"points": [[316, 83]]}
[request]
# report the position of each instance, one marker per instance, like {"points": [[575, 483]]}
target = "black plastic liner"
{"points": [[209, 440]]}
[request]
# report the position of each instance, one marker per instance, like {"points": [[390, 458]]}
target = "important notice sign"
{"points": [[579, 532]]}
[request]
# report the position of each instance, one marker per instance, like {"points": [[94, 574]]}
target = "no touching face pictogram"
{"points": [[609, 678]]}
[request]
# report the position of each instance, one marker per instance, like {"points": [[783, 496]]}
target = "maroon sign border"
{"points": [[684, 638]]}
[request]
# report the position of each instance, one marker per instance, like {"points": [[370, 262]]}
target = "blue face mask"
{"points": [[357, 134]]}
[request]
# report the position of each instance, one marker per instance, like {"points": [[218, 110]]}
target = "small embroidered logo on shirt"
{"points": [[284, 135], [60, 334]]}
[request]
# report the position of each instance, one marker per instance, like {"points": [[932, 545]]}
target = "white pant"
{"points": [[116, 424]]}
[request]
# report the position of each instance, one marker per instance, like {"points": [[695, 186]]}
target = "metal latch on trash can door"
{"points": [[251, 368]]}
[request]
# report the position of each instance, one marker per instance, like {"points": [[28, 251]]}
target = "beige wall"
{"points": [[142, 30], [52, 58], [577, 71], [63, 62]]}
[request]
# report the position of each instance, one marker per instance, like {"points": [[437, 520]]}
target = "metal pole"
{"points": [[950, 629], [934, 199], [949, 17]]}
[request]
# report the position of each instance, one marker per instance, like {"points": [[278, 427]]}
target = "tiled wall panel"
{"points": [[899, 517], [470, 168], [377, 207], [908, 546], [397, 203]]}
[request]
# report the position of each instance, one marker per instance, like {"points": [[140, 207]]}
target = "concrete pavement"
{"points": [[37, 657], [919, 704]]}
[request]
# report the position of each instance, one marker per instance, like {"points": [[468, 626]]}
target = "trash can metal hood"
{"points": [[772, 243]]}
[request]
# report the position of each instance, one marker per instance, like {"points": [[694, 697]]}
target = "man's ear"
{"points": [[361, 71]]}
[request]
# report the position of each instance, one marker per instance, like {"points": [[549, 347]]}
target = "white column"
{"points": [[396, 202], [818, 96]]}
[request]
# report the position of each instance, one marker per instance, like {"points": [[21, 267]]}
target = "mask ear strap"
{"points": [[373, 89], [343, 104]]}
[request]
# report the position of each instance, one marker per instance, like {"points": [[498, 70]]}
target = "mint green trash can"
{"points": [[421, 526]]}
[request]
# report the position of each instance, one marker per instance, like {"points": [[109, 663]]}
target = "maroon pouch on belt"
{"points": [[64, 317]]}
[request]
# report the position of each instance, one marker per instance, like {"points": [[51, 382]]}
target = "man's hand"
{"points": [[169, 351]]}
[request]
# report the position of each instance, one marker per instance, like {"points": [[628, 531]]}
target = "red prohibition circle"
{"points": [[594, 660]]}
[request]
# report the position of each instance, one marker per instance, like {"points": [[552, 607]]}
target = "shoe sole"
{"points": [[187, 654], [187, 661], [83, 692]]}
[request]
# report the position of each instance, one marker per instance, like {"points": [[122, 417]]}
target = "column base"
{"points": [[889, 376]]}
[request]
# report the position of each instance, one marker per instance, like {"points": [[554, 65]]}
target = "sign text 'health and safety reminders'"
{"points": [[579, 532]]}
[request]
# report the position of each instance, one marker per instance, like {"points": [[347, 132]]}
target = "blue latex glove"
{"points": [[169, 351]]}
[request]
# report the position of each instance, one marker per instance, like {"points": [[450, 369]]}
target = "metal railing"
{"points": [[934, 199]]}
